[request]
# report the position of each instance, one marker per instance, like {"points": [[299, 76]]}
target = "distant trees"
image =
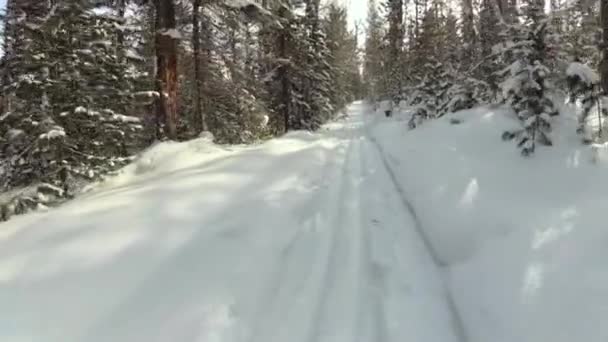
{"points": [[491, 51]]}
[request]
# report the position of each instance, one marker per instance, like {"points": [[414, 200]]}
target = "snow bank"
{"points": [[525, 239], [196, 244], [165, 158], [584, 72]]}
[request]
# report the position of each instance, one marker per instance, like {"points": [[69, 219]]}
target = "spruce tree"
{"points": [[372, 72], [71, 89], [525, 87]]}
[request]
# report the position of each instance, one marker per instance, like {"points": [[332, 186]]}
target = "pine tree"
{"points": [[583, 85], [489, 35], [317, 83], [525, 86], [343, 58], [604, 46], [468, 33], [372, 73], [167, 38], [394, 42], [67, 123]]}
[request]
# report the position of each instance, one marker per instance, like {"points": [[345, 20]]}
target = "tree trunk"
{"points": [[312, 19], [201, 124], [282, 72], [468, 30], [395, 48], [166, 66], [604, 45], [121, 6], [9, 48]]}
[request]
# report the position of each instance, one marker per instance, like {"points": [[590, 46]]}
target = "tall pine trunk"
{"points": [[201, 124], [282, 72], [604, 45], [166, 66], [395, 37], [468, 30]]}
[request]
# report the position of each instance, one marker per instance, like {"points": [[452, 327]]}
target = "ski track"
{"points": [[353, 266], [358, 270]]}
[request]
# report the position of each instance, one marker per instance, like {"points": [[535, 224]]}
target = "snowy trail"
{"points": [[303, 239]]}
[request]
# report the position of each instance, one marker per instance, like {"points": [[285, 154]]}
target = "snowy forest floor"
{"points": [[363, 231]]}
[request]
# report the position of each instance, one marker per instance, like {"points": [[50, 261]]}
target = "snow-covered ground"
{"points": [[364, 231], [303, 238], [524, 240]]}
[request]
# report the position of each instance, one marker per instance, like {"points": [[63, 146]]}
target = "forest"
{"points": [[530, 55], [88, 84]]}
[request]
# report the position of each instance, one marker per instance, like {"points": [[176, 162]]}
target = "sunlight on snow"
{"points": [[488, 116], [470, 193], [563, 226], [533, 280], [80, 253], [574, 159], [213, 322]]}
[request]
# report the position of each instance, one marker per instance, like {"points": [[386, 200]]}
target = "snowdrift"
{"points": [[525, 239], [164, 158], [181, 245]]}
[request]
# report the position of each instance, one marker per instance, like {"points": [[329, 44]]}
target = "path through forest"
{"points": [[306, 238]]}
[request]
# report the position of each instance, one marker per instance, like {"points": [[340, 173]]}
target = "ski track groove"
{"points": [[457, 320], [329, 272], [376, 317], [280, 286]]}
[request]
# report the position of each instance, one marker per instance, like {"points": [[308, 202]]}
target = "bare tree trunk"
{"points": [[121, 6], [201, 124], [468, 30], [604, 45], [285, 94], [8, 47], [395, 37], [166, 62]]}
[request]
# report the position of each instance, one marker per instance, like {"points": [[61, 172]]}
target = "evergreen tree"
{"points": [[373, 71], [67, 122], [394, 42], [343, 62], [525, 87]]}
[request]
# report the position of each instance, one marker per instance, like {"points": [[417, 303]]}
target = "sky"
{"points": [[357, 10]]}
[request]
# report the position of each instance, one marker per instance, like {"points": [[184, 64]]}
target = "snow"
{"points": [[57, 132], [126, 118], [584, 72], [600, 153], [80, 110], [523, 239], [164, 159], [303, 238], [173, 33], [132, 54], [364, 231], [14, 133]]}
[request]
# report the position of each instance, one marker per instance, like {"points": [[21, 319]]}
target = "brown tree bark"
{"points": [[166, 66], [604, 45], [201, 124]]}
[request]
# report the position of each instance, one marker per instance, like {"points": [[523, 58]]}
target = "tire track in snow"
{"points": [[457, 320]]}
